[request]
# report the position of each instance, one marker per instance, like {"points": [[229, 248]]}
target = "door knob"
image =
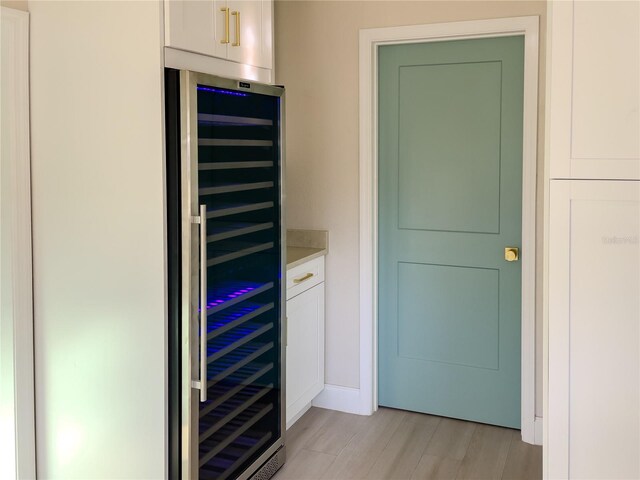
{"points": [[511, 254]]}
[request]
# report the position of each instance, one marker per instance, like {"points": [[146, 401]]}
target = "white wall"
{"points": [[317, 60], [98, 239], [16, 4]]}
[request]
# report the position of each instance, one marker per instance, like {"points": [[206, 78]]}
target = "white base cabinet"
{"points": [[594, 330], [305, 337]]}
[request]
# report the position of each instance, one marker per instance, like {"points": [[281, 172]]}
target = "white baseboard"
{"points": [[347, 399], [537, 439], [532, 431], [297, 416], [342, 399]]}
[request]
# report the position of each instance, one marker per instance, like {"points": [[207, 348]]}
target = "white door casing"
{"points": [[17, 430], [370, 39]]}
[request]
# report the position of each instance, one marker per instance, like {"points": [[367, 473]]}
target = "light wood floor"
{"points": [[394, 444]]}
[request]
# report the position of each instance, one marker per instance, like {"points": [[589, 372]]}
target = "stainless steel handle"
{"points": [[203, 303]]}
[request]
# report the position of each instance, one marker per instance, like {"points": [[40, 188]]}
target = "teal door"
{"points": [[450, 194]]}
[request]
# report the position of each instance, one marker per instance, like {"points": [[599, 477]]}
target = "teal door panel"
{"points": [[450, 201]]}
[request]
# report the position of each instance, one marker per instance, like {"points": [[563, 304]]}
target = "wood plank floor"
{"points": [[398, 445]]}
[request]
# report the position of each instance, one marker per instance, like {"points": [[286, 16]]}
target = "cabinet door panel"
{"points": [[594, 330], [197, 26], [254, 34], [594, 73], [267, 34], [305, 349]]}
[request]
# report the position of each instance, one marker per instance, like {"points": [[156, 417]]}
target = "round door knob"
{"points": [[511, 254]]}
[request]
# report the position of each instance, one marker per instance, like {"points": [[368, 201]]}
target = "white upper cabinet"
{"points": [[196, 26], [594, 98], [236, 30], [251, 36]]}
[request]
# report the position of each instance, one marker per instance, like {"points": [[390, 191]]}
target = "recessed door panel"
{"points": [[605, 318], [449, 133], [460, 329]]}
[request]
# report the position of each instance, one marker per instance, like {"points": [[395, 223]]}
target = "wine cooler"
{"points": [[225, 277]]}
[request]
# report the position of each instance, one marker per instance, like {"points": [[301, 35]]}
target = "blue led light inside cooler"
{"points": [[223, 92], [223, 318], [225, 296]]}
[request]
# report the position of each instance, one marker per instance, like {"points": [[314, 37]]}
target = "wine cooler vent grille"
{"points": [[271, 466]]}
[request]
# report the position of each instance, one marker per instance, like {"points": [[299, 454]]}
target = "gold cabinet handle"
{"points": [[302, 279], [511, 254], [237, 42], [225, 10]]}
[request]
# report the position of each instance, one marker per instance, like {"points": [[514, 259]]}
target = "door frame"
{"points": [[18, 440], [370, 40]]}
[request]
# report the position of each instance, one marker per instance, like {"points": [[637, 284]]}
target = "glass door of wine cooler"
{"points": [[232, 323]]}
